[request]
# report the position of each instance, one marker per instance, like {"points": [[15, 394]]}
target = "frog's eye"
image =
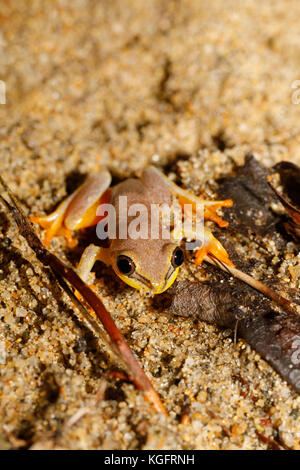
{"points": [[177, 257], [125, 265]]}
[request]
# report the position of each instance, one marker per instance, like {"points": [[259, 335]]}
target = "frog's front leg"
{"points": [[212, 246], [91, 254], [209, 207], [77, 211]]}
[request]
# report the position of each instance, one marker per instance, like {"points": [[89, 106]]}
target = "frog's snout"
{"points": [[159, 288]]}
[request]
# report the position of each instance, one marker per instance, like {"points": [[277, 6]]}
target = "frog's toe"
{"points": [[48, 225], [219, 252], [210, 211], [213, 247], [53, 228], [67, 234], [41, 221], [200, 255], [80, 297]]}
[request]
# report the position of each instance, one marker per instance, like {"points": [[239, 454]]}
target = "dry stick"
{"points": [[64, 272], [277, 298], [291, 210]]}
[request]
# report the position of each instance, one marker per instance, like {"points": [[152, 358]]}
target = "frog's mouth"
{"points": [[140, 282], [169, 279]]}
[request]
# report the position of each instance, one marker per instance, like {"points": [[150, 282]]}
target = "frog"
{"points": [[144, 263]]}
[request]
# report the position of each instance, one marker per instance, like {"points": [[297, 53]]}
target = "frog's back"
{"points": [[150, 188]]}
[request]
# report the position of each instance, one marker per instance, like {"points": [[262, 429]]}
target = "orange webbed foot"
{"points": [[210, 211], [53, 226], [49, 225], [54, 223], [212, 246]]}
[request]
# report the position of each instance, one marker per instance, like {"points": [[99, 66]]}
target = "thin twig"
{"points": [[65, 273], [236, 331], [267, 291]]}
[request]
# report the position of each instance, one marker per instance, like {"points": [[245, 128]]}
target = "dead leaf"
{"points": [[274, 335]]}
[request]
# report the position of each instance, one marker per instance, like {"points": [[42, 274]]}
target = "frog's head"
{"points": [[150, 265]]}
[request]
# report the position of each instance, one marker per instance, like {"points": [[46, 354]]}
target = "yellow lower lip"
{"points": [[166, 286], [159, 290]]}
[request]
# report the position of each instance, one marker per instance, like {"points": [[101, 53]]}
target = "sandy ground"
{"points": [[190, 85]]}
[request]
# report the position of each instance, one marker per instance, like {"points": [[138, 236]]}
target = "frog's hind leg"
{"points": [[53, 223], [77, 211], [185, 197], [209, 207], [82, 211]]}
